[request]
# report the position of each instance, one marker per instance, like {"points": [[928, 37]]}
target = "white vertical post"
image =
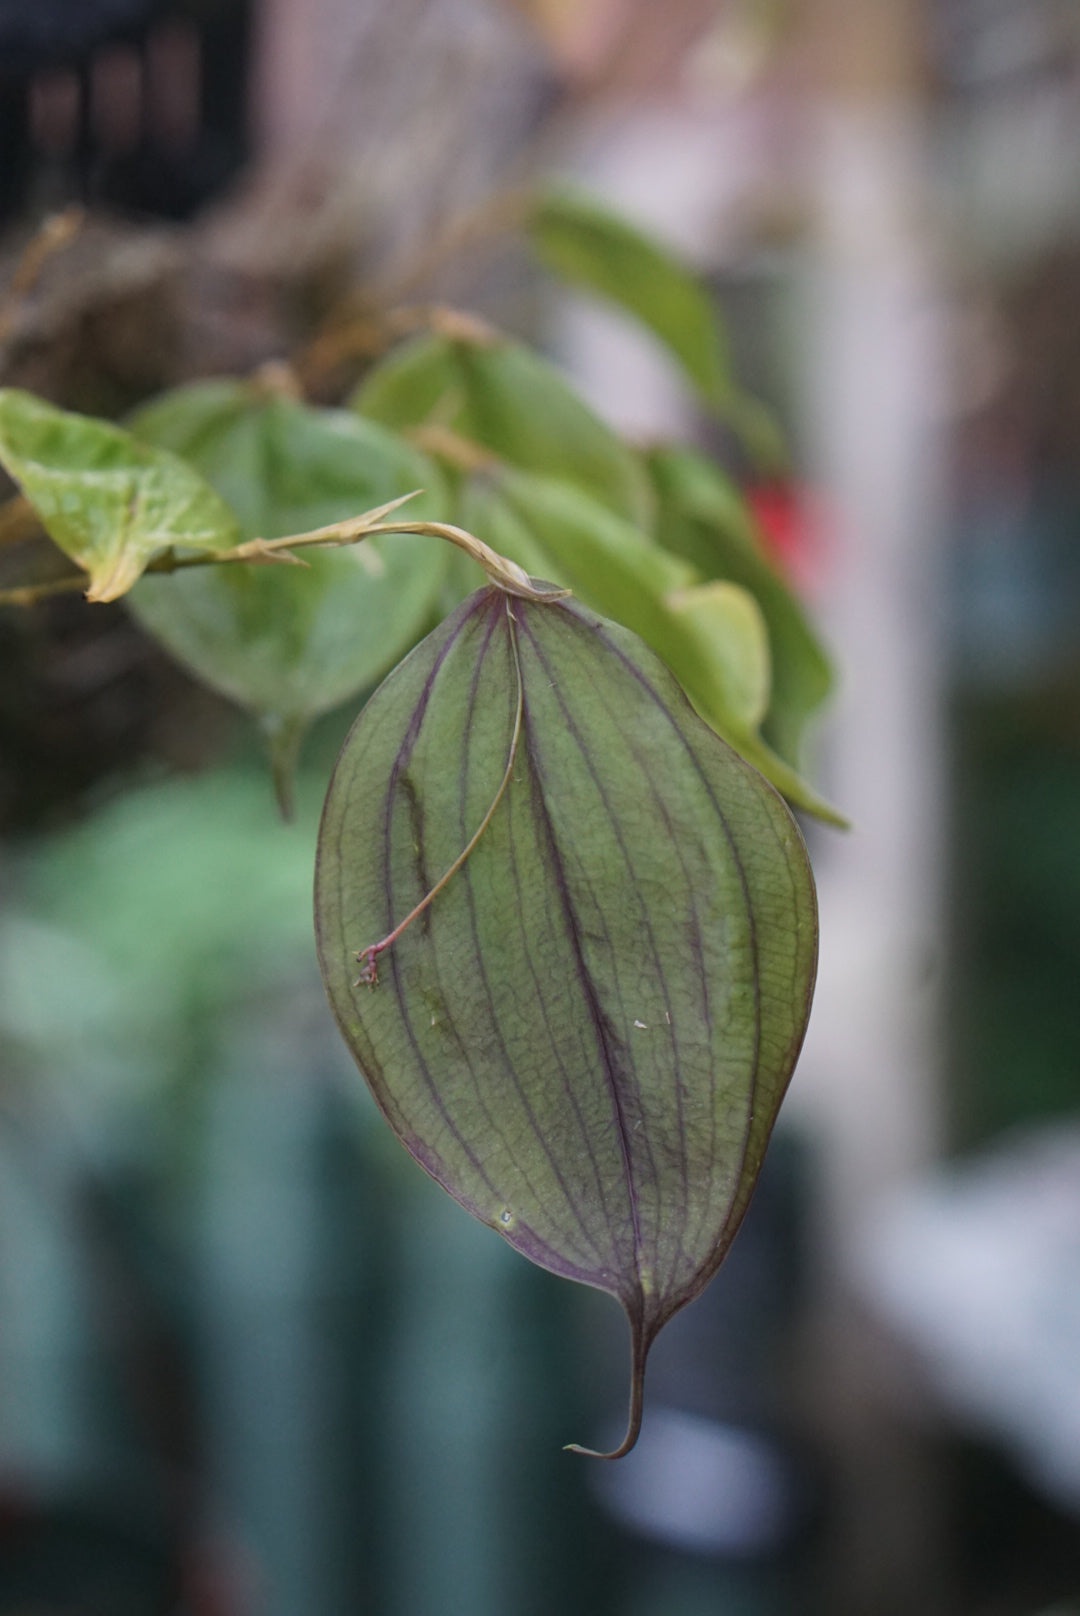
{"points": [[874, 411]]}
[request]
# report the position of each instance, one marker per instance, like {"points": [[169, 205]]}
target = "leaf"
{"points": [[505, 397], [714, 645], [291, 642], [109, 502], [580, 240], [704, 518], [416, 382], [730, 623], [585, 1037]]}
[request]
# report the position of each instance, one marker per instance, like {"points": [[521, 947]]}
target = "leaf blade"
{"points": [[290, 642], [413, 384], [108, 501], [526, 411], [553, 1039]]}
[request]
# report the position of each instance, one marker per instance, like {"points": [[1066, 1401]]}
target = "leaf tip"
{"points": [[620, 1452], [284, 737], [379, 512], [113, 579]]}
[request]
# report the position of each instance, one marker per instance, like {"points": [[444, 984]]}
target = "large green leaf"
{"points": [[512, 402], [704, 518], [714, 643], [109, 502], [289, 642], [586, 1034]]}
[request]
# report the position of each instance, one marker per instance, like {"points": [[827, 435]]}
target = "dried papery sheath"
{"points": [[587, 1033]]}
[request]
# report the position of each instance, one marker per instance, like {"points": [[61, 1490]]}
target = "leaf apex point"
{"points": [[594, 1453]]}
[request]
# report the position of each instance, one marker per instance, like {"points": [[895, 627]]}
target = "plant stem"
{"points": [[30, 594], [505, 574], [18, 521], [367, 335]]}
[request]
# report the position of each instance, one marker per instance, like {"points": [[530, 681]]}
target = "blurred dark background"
{"points": [[251, 1361]]}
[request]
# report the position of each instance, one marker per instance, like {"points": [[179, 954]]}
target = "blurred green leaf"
{"points": [[109, 502], [525, 410], [416, 382], [488, 510], [580, 240], [87, 984], [507, 399], [463, 576], [289, 642], [593, 552], [704, 518], [729, 623]]}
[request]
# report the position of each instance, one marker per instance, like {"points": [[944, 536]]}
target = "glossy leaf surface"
{"points": [[586, 1036], [704, 518], [110, 503], [289, 642]]}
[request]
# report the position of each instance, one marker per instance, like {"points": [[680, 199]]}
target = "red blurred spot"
{"points": [[794, 529]]}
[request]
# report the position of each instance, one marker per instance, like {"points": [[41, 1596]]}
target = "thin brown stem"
{"points": [[57, 232], [30, 594], [464, 454], [367, 958], [18, 521], [368, 334]]}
